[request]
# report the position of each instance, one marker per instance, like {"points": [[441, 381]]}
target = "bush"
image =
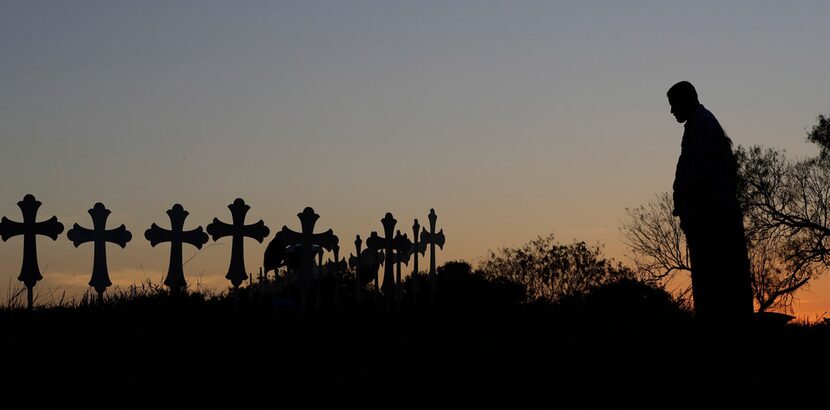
{"points": [[550, 271], [631, 295]]}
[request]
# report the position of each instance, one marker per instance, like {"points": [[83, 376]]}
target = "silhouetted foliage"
{"points": [[550, 271], [657, 243], [786, 216], [142, 298], [461, 286], [790, 195], [820, 135], [633, 296]]}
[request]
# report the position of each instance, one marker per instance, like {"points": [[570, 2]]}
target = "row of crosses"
{"points": [[396, 248]]}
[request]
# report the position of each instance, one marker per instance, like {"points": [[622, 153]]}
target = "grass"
{"points": [[145, 347]]}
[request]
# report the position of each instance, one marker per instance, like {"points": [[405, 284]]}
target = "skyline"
{"points": [[512, 121]]}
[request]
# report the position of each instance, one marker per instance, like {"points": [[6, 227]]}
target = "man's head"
{"points": [[682, 99]]}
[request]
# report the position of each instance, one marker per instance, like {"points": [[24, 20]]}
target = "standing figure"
{"points": [[705, 199]]}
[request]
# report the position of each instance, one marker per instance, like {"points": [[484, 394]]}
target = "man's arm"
{"points": [[689, 177]]}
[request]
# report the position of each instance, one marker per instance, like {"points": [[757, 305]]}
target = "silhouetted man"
{"points": [[705, 199]]}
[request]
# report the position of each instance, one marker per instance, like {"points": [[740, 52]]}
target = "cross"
{"points": [[432, 239], [176, 236], [238, 231], [379, 260], [337, 266], [307, 239], [356, 263], [403, 247], [99, 236], [29, 228], [417, 247], [387, 243], [319, 299]]}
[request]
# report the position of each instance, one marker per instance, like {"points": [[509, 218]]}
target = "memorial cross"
{"points": [[432, 239], [417, 247], [176, 236], [99, 236], [337, 267], [307, 239], [30, 229], [380, 257], [319, 300], [357, 265], [238, 231], [387, 243], [403, 249]]}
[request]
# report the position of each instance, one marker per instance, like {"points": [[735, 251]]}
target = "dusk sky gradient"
{"points": [[512, 119]]}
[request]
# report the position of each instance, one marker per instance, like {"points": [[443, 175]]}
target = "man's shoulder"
{"points": [[702, 119], [701, 114], [707, 115]]}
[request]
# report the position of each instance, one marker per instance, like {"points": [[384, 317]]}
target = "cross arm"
{"points": [[119, 236], [9, 228], [50, 227], [375, 242], [157, 235], [196, 237], [403, 244], [257, 231], [218, 229], [420, 247], [403, 248], [326, 239], [437, 239], [80, 235]]}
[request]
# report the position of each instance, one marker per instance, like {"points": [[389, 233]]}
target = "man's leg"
{"points": [[701, 273], [730, 264], [741, 278]]}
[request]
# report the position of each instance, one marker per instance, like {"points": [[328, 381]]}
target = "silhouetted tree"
{"points": [[820, 135], [786, 206], [658, 249], [655, 239], [550, 270], [792, 196]]}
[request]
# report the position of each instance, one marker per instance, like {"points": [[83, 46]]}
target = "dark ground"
{"points": [[519, 357]]}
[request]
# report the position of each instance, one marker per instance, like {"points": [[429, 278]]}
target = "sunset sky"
{"points": [[512, 119]]}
